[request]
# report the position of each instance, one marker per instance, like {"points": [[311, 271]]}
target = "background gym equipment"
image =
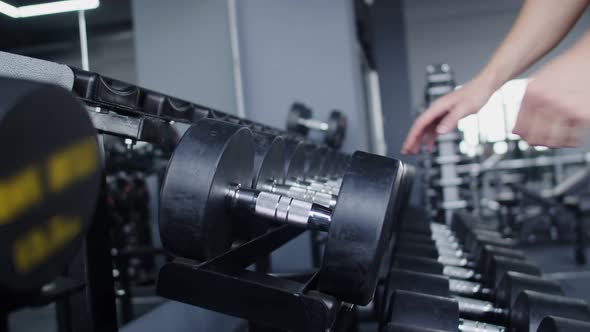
{"points": [[300, 121]]}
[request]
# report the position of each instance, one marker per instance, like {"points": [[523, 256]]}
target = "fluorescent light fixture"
{"points": [[47, 8]]}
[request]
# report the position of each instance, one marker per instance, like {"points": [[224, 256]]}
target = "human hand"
{"points": [[555, 109], [444, 114]]}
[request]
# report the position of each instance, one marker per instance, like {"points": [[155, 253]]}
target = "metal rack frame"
{"points": [[270, 302]]}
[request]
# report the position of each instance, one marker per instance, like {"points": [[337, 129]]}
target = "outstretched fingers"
{"points": [[429, 119]]}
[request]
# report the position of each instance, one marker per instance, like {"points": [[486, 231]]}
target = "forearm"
{"points": [[539, 27], [581, 50]]}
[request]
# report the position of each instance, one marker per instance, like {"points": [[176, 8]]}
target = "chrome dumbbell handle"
{"points": [[280, 208]]}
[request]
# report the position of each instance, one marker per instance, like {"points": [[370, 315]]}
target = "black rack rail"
{"points": [[130, 111], [269, 302]]}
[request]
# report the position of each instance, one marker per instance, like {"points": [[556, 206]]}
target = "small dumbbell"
{"points": [[299, 120]]}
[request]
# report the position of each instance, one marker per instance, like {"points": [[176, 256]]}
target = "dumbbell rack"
{"points": [[224, 284], [128, 111], [125, 110], [85, 297], [136, 113]]}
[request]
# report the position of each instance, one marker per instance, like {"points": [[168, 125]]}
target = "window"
{"points": [[494, 122]]}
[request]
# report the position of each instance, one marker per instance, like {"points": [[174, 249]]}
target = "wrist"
{"points": [[489, 80]]}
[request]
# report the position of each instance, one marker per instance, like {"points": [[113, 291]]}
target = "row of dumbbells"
{"points": [[226, 184], [468, 277]]}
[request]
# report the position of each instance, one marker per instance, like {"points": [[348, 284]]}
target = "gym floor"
{"points": [[557, 262]]}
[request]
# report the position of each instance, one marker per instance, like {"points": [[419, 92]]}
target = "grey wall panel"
{"points": [[183, 49], [392, 62], [302, 50]]}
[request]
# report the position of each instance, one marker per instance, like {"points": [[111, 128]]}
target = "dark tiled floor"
{"points": [[557, 262], [43, 319]]}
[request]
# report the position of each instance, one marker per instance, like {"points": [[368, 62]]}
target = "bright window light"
{"points": [[494, 122], [523, 146], [470, 137], [47, 8], [500, 147]]}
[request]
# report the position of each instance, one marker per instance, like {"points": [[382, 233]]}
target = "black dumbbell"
{"points": [[453, 247], [303, 158], [490, 310], [269, 158], [489, 274], [494, 267], [455, 233], [456, 252], [456, 257], [560, 324], [312, 164], [529, 309], [209, 182], [300, 121], [478, 248], [458, 286], [487, 260], [307, 160], [470, 238]]}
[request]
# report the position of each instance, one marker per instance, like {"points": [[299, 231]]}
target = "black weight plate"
{"points": [[269, 159], [298, 164], [336, 133], [298, 111], [499, 265], [211, 157], [316, 159], [531, 307], [424, 311], [340, 166], [294, 158], [337, 165], [49, 181], [560, 324], [359, 231], [330, 159], [512, 283]]}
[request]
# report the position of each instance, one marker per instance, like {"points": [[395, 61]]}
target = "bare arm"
{"points": [[539, 27], [555, 109]]}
